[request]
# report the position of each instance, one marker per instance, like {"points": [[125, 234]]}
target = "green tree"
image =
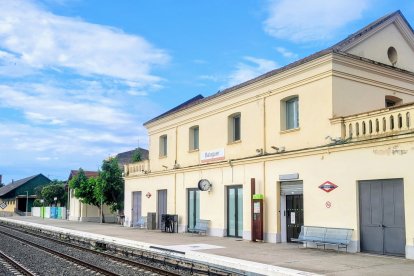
{"points": [[87, 190], [50, 192], [136, 156], [112, 189]]}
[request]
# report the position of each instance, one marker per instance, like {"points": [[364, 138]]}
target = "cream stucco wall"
{"points": [[342, 165], [329, 87], [376, 47], [79, 211]]}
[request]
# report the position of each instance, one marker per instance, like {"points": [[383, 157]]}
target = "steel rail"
{"points": [[16, 265], [62, 255], [113, 257]]}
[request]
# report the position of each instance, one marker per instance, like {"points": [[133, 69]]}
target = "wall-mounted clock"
{"points": [[204, 185]]}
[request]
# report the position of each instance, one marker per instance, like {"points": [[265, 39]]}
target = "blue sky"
{"points": [[79, 78]]}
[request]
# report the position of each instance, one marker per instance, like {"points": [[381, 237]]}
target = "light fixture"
{"points": [[165, 167], [278, 149], [259, 151]]}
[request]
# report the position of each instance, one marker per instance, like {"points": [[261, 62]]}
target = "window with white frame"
{"points": [[234, 122], [194, 137], [163, 145], [290, 113]]}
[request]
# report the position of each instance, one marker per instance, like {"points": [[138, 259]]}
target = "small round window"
{"points": [[392, 55]]}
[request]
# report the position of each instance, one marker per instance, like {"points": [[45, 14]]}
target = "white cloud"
{"points": [[42, 40], [51, 105], [286, 53], [303, 20], [245, 72]]}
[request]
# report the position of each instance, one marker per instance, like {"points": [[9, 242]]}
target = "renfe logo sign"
{"points": [[211, 156], [328, 186]]}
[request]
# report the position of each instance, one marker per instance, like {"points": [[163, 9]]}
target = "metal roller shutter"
{"points": [[291, 187]]}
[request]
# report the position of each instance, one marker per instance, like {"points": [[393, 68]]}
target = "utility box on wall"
{"points": [[257, 231], [151, 221]]}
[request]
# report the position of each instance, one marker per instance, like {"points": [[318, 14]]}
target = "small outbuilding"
{"points": [[18, 196]]}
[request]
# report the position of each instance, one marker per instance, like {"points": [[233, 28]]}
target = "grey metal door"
{"points": [[381, 204], [136, 207], [161, 205]]}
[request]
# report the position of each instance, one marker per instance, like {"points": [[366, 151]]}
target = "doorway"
{"points": [[161, 205], [291, 209], [381, 213], [193, 198], [136, 207], [235, 211]]}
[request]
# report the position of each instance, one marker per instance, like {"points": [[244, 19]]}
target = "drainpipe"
{"points": [[264, 125]]}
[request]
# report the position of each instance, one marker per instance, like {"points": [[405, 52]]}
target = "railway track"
{"points": [[138, 267], [14, 266]]}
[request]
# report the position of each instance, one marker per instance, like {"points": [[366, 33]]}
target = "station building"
{"points": [[327, 141]]}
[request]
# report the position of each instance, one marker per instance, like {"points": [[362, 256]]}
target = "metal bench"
{"points": [[322, 236], [142, 222], [200, 227]]}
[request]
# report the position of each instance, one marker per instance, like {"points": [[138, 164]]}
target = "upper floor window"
{"points": [[194, 137], [290, 113], [163, 145], [234, 127], [392, 101]]}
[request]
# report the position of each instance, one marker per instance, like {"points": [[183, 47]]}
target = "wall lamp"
{"points": [[259, 151], [278, 149]]}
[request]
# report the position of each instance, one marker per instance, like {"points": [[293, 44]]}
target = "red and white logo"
{"points": [[328, 186]]}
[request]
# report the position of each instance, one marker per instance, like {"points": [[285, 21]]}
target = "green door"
{"points": [[193, 207], [235, 211]]}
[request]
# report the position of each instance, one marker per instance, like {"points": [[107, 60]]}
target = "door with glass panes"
{"points": [[193, 197], [235, 211]]}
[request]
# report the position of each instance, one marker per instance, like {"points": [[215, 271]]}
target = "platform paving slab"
{"points": [[255, 257]]}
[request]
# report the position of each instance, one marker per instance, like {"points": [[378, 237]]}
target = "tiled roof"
{"points": [[15, 184], [87, 174], [336, 48], [126, 157], [184, 105]]}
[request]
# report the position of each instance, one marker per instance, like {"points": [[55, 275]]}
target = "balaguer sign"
{"points": [[212, 155]]}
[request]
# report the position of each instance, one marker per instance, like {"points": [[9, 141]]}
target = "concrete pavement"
{"points": [[255, 257]]}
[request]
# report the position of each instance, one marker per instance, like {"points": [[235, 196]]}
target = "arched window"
{"points": [[400, 122], [392, 101]]}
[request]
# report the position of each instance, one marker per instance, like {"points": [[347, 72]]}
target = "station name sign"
{"points": [[212, 156]]}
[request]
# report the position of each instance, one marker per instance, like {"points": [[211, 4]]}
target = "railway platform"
{"points": [[256, 258]]}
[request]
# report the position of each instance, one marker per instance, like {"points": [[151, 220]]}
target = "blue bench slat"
{"points": [[325, 236]]}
